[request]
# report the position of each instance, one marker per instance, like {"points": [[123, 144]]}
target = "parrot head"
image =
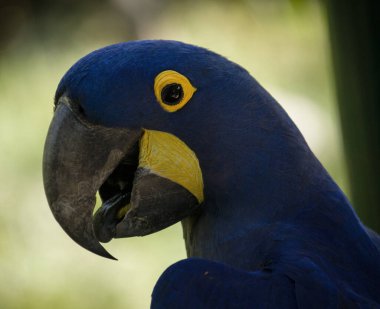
{"points": [[161, 130]]}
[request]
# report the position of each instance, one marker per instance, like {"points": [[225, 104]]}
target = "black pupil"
{"points": [[172, 94]]}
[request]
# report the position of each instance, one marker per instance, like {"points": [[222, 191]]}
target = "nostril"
{"points": [[75, 106], [81, 110]]}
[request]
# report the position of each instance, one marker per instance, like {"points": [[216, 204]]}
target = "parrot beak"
{"points": [[78, 157], [81, 159]]}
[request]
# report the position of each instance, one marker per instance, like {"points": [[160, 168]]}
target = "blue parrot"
{"points": [[169, 132]]}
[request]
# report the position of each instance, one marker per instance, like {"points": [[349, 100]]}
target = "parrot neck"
{"points": [[261, 179], [236, 225]]}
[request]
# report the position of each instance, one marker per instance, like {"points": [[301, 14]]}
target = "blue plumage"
{"points": [[274, 231]]}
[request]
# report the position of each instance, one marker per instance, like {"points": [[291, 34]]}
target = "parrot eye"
{"points": [[172, 94], [173, 90]]}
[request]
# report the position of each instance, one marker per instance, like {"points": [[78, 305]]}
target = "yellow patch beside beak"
{"points": [[167, 156]]}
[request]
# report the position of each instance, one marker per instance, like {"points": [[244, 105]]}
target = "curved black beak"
{"points": [[78, 158], [147, 180]]}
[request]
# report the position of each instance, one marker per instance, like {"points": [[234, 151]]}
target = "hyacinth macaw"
{"points": [[168, 132]]}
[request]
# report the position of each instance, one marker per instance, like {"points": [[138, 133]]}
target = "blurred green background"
{"points": [[284, 44]]}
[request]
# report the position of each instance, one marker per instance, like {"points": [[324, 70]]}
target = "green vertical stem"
{"points": [[355, 40]]}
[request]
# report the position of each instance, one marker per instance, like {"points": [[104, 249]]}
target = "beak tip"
{"points": [[97, 248], [109, 256]]}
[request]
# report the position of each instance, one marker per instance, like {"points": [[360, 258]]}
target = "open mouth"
{"points": [[144, 194], [115, 194]]}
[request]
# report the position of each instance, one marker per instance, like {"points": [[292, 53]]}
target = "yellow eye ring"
{"points": [[172, 90]]}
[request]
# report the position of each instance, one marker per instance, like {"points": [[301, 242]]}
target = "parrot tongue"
{"points": [[109, 215]]}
